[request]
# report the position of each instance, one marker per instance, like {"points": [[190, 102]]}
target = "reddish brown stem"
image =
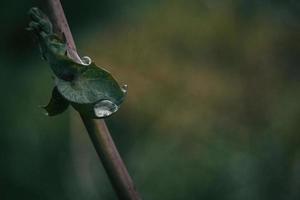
{"points": [[97, 129]]}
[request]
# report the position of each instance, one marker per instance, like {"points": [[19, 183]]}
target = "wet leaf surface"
{"points": [[90, 89]]}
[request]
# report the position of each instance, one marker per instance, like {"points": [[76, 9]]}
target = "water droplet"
{"points": [[86, 60], [105, 108], [124, 88]]}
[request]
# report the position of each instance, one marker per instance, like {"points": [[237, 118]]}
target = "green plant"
{"points": [[92, 91]]}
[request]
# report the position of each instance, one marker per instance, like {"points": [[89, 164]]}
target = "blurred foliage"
{"points": [[212, 110]]}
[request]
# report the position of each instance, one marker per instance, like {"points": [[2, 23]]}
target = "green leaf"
{"points": [[88, 88], [93, 92], [65, 68], [57, 104], [39, 21]]}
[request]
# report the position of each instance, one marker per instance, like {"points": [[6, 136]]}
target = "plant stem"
{"points": [[111, 159], [97, 129]]}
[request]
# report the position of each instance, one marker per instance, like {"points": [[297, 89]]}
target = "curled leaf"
{"points": [[57, 104], [91, 90]]}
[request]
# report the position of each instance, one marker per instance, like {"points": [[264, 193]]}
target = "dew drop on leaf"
{"points": [[105, 108], [124, 88], [86, 60]]}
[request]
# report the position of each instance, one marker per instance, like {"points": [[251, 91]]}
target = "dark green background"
{"points": [[212, 112]]}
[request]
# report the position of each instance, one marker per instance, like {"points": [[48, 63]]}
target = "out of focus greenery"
{"points": [[212, 112]]}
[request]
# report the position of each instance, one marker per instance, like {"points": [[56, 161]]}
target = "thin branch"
{"points": [[111, 159], [61, 26], [97, 129]]}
